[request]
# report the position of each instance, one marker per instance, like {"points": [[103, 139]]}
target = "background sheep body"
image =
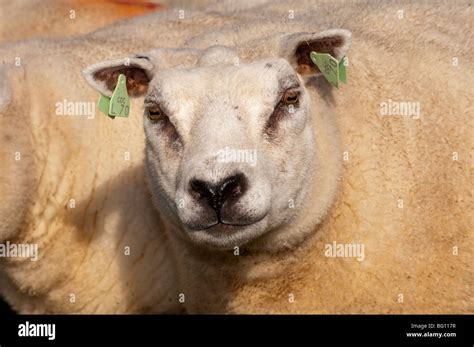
{"points": [[405, 191]]}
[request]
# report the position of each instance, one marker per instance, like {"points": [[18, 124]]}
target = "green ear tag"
{"points": [[342, 71], [119, 102], [104, 104], [333, 70]]}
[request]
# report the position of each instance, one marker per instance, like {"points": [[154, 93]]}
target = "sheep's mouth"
{"points": [[227, 236], [220, 226], [226, 228]]}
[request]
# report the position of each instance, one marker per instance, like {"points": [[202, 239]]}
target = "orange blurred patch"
{"points": [[118, 9], [56, 18]]}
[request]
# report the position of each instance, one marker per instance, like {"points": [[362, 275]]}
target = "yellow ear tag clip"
{"points": [[118, 105]]}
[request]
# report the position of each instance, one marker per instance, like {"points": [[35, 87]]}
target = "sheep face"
{"points": [[230, 148]]}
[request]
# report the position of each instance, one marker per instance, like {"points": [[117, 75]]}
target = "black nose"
{"points": [[215, 195]]}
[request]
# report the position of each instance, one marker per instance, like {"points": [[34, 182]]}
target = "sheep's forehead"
{"points": [[215, 95], [255, 82]]}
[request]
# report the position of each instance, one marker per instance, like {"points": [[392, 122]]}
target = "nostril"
{"points": [[233, 186], [215, 196], [202, 190]]}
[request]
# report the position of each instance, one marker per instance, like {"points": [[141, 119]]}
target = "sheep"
{"points": [[345, 210], [35, 18]]}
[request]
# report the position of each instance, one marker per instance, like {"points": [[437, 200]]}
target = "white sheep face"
{"points": [[229, 146]]}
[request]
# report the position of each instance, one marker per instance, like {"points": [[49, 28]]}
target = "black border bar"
{"points": [[231, 329]]}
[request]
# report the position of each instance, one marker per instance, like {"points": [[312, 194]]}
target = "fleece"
{"points": [[405, 190]]}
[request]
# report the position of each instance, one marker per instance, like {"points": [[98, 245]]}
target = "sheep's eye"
{"points": [[290, 97], [155, 114]]}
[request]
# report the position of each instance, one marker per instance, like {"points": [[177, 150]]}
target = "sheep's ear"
{"points": [[137, 70], [297, 47]]}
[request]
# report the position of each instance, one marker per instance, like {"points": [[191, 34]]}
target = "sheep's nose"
{"points": [[215, 195]]}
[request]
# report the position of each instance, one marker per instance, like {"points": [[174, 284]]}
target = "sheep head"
{"points": [[231, 153]]}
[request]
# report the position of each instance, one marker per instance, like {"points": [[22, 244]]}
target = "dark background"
{"points": [[5, 308], [260, 330]]}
